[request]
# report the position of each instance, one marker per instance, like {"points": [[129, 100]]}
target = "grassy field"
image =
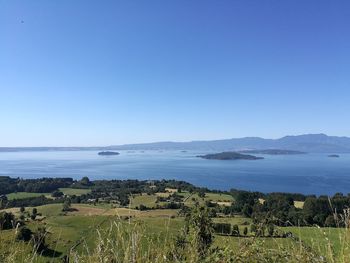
{"points": [[73, 191], [150, 200], [21, 195], [332, 243], [78, 230], [144, 199], [65, 191]]}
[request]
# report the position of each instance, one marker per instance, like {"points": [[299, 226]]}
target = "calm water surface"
{"points": [[310, 173]]}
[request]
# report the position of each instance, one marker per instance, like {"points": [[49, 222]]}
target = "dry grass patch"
{"points": [[299, 204], [223, 203], [163, 194], [171, 190]]}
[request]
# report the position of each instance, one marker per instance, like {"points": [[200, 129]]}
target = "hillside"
{"points": [[313, 143]]}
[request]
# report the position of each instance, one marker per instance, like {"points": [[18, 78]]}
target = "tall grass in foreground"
{"points": [[132, 242]]}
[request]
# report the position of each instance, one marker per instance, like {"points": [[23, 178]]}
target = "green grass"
{"points": [[329, 242], [50, 210], [68, 230], [144, 199], [66, 191], [215, 197], [236, 242], [73, 191], [22, 195], [191, 199]]}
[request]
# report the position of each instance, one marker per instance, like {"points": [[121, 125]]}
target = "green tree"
{"points": [[200, 229], [85, 181], [201, 193], [235, 230], [245, 230], [66, 205], [247, 210], [24, 234], [330, 221], [253, 228], [7, 221], [57, 194], [271, 229], [34, 213]]}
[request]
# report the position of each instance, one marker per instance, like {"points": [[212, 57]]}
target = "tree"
{"points": [[330, 222], [24, 234], [253, 228], [271, 229], [143, 207], [7, 221], [200, 229], [34, 213], [66, 205], [245, 231], [57, 194], [85, 181], [235, 230], [247, 210], [201, 193]]}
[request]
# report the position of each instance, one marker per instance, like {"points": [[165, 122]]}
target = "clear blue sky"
{"points": [[113, 72]]}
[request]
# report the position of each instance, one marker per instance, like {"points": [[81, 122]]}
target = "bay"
{"points": [[307, 174]]}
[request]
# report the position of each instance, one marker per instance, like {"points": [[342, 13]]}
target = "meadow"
{"points": [[79, 232]]}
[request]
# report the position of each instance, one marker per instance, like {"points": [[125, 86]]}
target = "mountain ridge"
{"points": [[317, 143]]}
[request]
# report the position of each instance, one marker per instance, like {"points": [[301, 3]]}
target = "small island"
{"points": [[334, 156], [229, 156], [273, 152], [108, 153]]}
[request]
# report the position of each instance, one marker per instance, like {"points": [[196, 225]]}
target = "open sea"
{"points": [[308, 173]]}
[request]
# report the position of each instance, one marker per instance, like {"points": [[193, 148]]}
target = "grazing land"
{"points": [[22, 195], [86, 217], [74, 191]]}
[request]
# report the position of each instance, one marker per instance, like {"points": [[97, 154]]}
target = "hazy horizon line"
{"points": [[169, 141]]}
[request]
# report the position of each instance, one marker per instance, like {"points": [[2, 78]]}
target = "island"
{"points": [[108, 153], [273, 152], [229, 156], [334, 156]]}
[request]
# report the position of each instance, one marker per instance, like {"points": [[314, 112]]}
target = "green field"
{"points": [[21, 195], [74, 191], [79, 230], [144, 199], [329, 242], [65, 191]]}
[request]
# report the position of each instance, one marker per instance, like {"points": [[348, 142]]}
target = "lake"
{"points": [[308, 174]]}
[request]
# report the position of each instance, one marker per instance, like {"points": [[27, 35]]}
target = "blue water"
{"points": [[308, 174]]}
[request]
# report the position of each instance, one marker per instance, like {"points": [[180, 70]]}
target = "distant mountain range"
{"points": [[318, 143], [312, 143]]}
